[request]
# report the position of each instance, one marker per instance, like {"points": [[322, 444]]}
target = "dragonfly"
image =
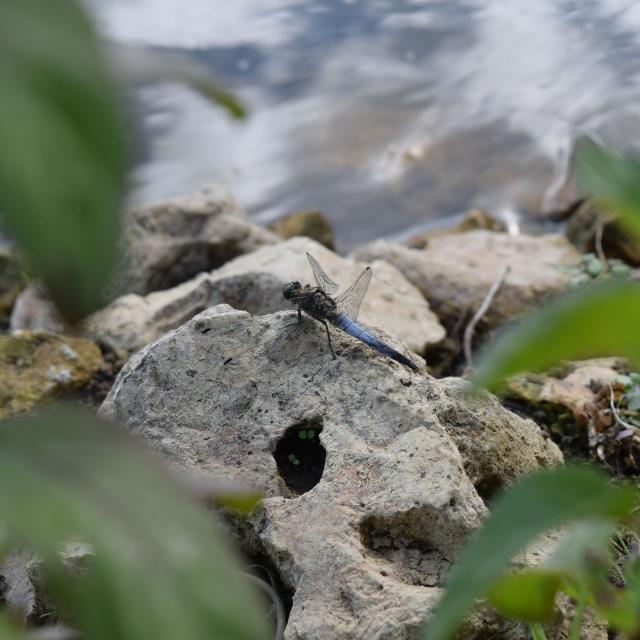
{"points": [[340, 311]]}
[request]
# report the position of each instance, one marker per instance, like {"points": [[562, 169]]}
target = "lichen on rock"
{"points": [[36, 366]]}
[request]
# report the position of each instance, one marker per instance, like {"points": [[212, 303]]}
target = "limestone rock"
{"points": [[23, 586], [12, 280], [35, 366], [495, 452], [367, 499], [169, 242], [17, 590], [455, 272], [310, 224], [392, 303], [132, 321], [573, 386], [35, 311]]}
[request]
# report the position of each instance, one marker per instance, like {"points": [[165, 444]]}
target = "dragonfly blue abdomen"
{"points": [[358, 331]]}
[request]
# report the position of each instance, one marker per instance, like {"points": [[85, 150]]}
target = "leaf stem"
{"points": [[537, 632]]}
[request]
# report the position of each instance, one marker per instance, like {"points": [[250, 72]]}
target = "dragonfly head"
{"points": [[291, 290]]}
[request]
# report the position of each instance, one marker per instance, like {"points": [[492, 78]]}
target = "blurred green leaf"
{"points": [[527, 595], [537, 503], [63, 159], [601, 320], [584, 548], [245, 502], [623, 612], [225, 493], [215, 93], [139, 65], [610, 179], [159, 570], [9, 630], [537, 632]]}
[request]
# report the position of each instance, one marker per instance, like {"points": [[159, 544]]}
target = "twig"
{"points": [[486, 303], [598, 243], [275, 599], [629, 428]]}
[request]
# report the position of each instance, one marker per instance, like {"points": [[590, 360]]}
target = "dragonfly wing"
{"points": [[323, 281], [286, 305], [349, 301], [264, 344]]}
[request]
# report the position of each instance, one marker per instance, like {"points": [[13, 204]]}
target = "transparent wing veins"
{"points": [[349, 301], [264, 343], [285, 305], [323, 281]]}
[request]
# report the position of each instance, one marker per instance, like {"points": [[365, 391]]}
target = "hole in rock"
{"points": [[300, 456], [401, 555]]}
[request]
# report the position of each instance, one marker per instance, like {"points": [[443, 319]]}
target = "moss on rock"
{"points": [[36, 366]]}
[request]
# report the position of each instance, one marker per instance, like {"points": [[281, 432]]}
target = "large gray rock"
{"points": [[367, 498], [392, 302], [169, 242], [455, 272]]}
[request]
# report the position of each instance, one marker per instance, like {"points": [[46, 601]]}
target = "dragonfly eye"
{"points": [[291, 289]]}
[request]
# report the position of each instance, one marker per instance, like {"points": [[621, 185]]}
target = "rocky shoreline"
{"points": [[373, 475]]}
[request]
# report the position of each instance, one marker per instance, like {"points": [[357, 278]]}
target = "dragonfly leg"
{"points": [[326, 326], [299, 315]]}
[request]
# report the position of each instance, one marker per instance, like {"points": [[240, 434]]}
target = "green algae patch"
{"points": [[36, 366]]}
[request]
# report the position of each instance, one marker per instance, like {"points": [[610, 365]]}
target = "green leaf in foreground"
{"points": [[10, 631], [139, 65], [526, 595], [601, 320], [539, 502], [610, 179], [159, 570], [63, 160]]}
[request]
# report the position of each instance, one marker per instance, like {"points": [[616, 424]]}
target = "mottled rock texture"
{"points": [[455, 272], [132, 321], [254, 283], [368, 497], [169, 242], [36, 366]]}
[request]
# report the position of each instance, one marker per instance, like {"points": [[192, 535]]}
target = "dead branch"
{"points": [[484, 307]]}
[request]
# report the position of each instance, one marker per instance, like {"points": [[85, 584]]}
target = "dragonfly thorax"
{"points": [[312, 300]]}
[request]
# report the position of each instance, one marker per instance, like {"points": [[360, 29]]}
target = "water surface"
{"points": [[389, 116]]}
